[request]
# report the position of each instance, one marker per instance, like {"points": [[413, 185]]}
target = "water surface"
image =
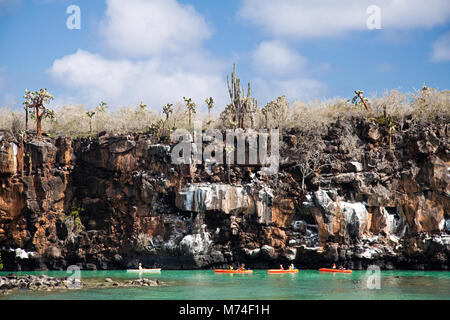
{"points": [[205, 284]]}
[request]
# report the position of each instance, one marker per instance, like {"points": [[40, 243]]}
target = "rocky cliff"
{"points": [[113, 201]]}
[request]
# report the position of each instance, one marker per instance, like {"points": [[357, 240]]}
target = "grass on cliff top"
{"points": [[72, 120]]}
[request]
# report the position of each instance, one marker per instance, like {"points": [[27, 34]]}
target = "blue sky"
{"points": [[158, 51]]}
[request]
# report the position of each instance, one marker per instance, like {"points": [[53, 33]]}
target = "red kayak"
{"points": [[233, 271], [335, 270]]}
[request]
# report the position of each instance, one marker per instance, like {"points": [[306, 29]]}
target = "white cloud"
{"points": [[142, 27], [441, 48], [161, 58], [283, 71], [125, 82], [327, 18], [276, 57]]}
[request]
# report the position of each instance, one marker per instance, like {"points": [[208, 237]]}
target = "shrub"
{"points": [[74, 214], [424, 104]]}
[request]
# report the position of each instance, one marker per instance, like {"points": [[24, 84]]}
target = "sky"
{"points": [[158, 51]]}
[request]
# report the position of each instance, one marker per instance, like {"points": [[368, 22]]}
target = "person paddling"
{"points": [[140, 266], [334, 266], [242, 267], [291, 267], [281, 267]]}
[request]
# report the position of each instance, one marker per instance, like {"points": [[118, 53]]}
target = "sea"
{"points": [[208, 285]]}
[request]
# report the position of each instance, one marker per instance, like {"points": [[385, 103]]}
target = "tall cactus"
{"points": [[240, 103]]}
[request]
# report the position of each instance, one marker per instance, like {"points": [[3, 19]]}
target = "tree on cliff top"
{"points": [[210, 102], [90, 115], [190, 105], [363, 100], [36, 100], [168, 110]]}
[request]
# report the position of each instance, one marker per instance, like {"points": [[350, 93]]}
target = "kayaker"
{"points": [[334, 266], [291, 267], [281, 267], [140, 266], [231, 267], [242, 267]]}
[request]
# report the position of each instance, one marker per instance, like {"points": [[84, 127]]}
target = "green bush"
{"points": [[75, 214]]}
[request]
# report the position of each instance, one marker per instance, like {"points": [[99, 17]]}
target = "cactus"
{"points": [[365, 101], [210, 102], [167, 109], [241, 104], [90, 115], [278, 111], [102, 106], [143, 106], [156, 129], [388, 122]]}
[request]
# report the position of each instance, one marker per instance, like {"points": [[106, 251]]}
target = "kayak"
{"points": [[233, 271], [282, 271], [335, 270], [145, 270]]}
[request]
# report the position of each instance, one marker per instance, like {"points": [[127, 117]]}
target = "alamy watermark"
{"points": [[371, 280], [74, 280], [373, 277], [241, 147], [374, 19], [74, 20]]}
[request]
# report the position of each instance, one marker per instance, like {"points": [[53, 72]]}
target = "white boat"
{"points": [[145, 270]]}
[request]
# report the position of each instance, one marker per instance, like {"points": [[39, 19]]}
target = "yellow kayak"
{"points": [[233, 271], [274, 271]]}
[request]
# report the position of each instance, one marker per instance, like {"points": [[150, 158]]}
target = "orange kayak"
{"points": [[232, 271], [282, 271], [335, 270]]}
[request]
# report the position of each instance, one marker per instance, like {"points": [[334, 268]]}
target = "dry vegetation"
{"points": [[424, 104]]}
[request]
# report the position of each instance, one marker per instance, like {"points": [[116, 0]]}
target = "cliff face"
{"points": [[114, 201]]}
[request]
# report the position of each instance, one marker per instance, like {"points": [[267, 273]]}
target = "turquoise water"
{"points": [[205, 284]]}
